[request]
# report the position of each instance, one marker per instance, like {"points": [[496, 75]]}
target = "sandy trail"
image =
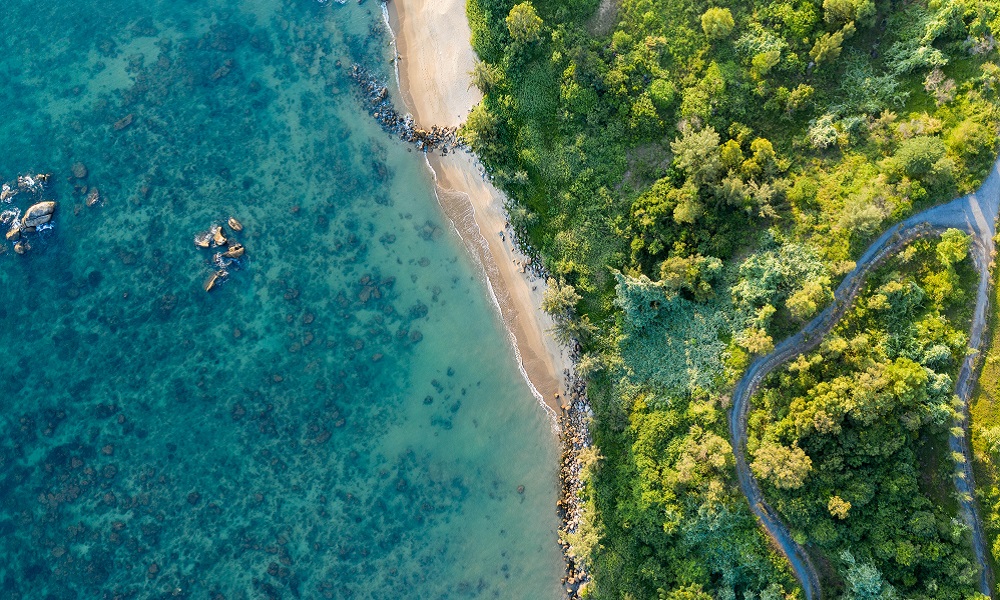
{"points": [[435, 59]]}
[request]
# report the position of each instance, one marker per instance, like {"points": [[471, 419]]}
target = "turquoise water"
{"points": [[341, 418]]}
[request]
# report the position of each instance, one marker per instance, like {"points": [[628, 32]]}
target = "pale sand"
{"points": [[432, 37]]}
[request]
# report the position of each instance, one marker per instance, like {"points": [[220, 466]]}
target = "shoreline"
{"points": [[432, 39], [433, 61]]}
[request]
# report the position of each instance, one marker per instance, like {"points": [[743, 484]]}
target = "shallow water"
{"points": [[341, 418]]}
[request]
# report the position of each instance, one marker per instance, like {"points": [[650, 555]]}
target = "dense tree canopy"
{"points": [[703, 175]]}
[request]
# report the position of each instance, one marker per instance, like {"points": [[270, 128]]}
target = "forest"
{"points": [[851, 440], [697, 177]]}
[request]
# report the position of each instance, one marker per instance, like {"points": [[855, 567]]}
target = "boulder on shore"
{"points": [[38, 214]]}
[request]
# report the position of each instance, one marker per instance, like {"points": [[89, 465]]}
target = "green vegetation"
{"points": [[701, 175], [985, 434], [841, 437]]}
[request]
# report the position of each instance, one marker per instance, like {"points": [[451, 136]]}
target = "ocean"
{"points": [[341, 416]]}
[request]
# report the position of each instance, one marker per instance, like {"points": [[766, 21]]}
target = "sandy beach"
{"points": [[432, 39]]}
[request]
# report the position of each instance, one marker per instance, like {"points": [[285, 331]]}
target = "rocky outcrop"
{"points": [[216, 237], [38, 214]]}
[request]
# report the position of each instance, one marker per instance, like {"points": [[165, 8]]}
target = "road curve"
{"points": [[975, 213]]}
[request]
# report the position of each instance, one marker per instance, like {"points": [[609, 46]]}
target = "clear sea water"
{"points": [[341, 418]]}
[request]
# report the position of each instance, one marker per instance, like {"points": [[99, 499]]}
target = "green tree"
{"points": [[838, 12], [644, 118], [697, 153], [479, 130], [694, 274], [864, 581], [806, 301], [917, 156], [523, 23], [486, 76], [785, 467], [838, 507], [691, 591], [953, 247], [756, 340], [829, 45], [662, 92], [762, 62], [560, 298], [717, 22]]}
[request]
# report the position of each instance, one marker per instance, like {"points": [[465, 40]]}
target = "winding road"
{"points": [[976, 214]]}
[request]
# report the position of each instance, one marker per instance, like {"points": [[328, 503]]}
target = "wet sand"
{"points": [[436, 57]]}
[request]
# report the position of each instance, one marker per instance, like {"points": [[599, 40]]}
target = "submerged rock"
{"points": [[235, 225], [93, 197], [15, 231], [124, 122], [203, 239], [38, 214], [214, 279], [79, 170]]}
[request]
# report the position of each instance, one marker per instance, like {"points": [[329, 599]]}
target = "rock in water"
{"points": [[79, 170], [213, 279], [38, 214], [203, 239], [235, 225], [15, 231], [93, 197], [234, 251], [21, 247], [218, 236]]}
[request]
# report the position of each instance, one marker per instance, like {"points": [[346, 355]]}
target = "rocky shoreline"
{"points": [[379, 105], [574, 438], [573, 421]]}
